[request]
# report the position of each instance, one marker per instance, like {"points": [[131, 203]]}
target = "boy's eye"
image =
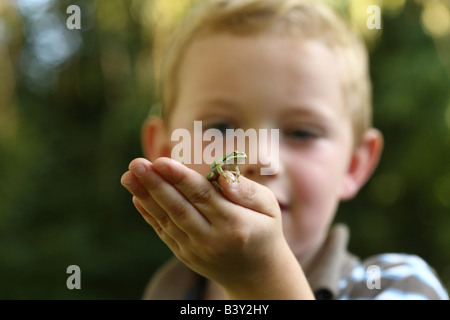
{"points": [[301, 134]]}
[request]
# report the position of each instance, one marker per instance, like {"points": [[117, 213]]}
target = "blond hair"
{"points": [[306, 19]]}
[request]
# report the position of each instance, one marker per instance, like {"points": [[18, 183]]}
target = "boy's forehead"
{"points": [[299, 69], [268, 43], [261, 53]]}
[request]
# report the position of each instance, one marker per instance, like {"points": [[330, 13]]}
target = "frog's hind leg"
{"points": [[217, 185]]}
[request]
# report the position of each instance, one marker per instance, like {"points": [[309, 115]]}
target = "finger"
{"points": [[132, 184], [251, 195], [147, 206], [195, 187], [170, 200], [165, 237]]}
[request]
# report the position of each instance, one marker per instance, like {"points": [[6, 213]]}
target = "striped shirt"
{"points": [[339, 275], [392, 276]]}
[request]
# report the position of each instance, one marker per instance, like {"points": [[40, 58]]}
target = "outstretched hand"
{"points": [[233, 237]]}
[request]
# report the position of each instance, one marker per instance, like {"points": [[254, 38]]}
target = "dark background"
{"points": [[72, 103]]}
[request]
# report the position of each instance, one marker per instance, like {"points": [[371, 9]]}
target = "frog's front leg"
{"points": [[233, 175], [228, 175], [237, 173]]}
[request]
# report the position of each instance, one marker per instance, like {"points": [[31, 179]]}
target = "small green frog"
{"points": [[228, 162]]}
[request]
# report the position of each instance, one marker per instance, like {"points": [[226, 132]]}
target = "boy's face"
{"points": [[276, 82]]}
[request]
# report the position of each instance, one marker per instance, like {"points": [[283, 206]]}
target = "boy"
{"points": [[291, 65]]}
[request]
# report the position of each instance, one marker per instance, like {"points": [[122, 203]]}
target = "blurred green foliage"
{"points": [[71, 106]]}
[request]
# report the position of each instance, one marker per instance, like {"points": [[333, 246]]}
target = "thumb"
{"points": [[251, 195]]}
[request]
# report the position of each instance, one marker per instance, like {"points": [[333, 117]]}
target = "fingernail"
{"points": [[125, 181], [138, 170]]}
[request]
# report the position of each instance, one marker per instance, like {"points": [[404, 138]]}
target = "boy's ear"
{"points": [[363, 163], [154, 138]]}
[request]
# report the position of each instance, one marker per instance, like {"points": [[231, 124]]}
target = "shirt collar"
{"points": [[331, 263]]}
